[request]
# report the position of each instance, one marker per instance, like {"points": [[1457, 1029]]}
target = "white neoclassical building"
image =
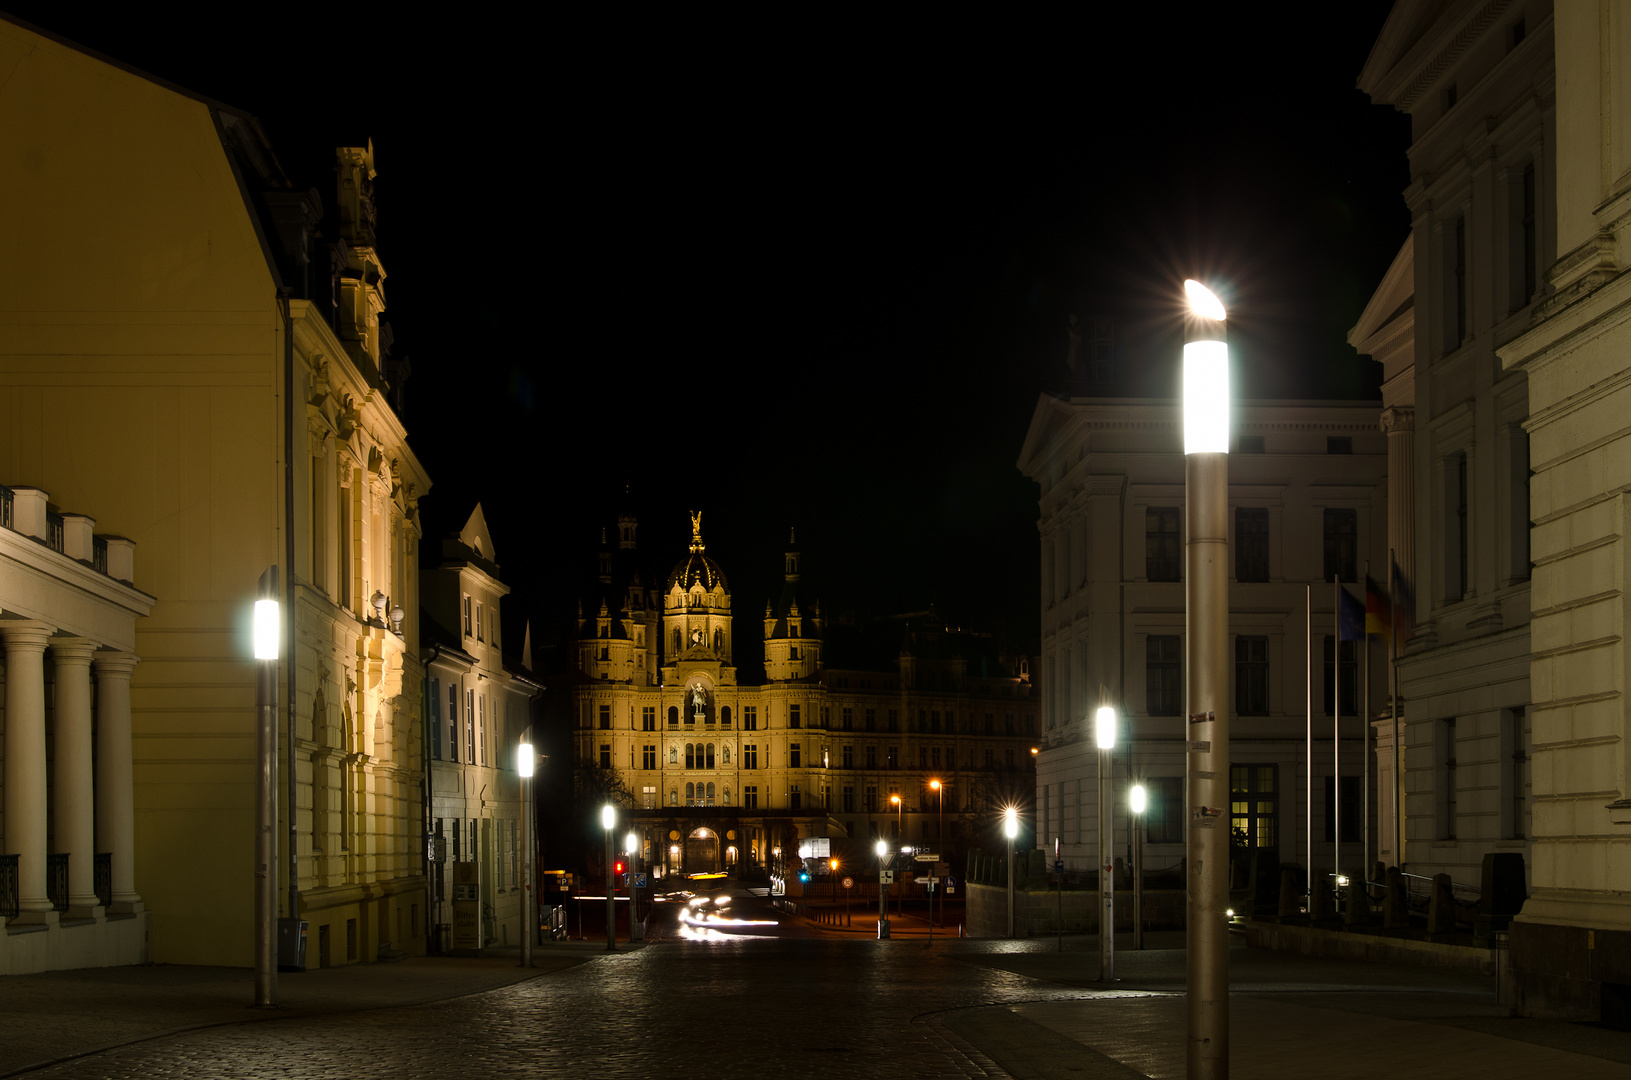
{"points": [[68, 616]]}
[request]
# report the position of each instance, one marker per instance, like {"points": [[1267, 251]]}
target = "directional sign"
{"points": [[926, 858], [639, 881], [929, 880]]}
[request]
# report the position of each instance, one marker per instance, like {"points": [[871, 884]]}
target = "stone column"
{"points": [[25, 763], [74, 797], [115, 798]]}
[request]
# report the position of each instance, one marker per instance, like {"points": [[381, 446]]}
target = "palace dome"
{"points": [[697, 568]]}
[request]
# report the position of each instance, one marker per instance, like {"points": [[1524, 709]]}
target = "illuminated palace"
{"points": [[725, 773]]}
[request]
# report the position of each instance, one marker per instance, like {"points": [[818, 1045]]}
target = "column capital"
{"points": [[1398, 418], [117, 664], [26, 634], [72, 650]]}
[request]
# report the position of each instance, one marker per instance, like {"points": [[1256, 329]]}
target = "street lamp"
{"points": [[1206, 611], [1010, 829], [1137, 801], [940, 839], [608, 821], [268, 630], [631, 848], [1104, 731], [882, 848], [524, 763]]}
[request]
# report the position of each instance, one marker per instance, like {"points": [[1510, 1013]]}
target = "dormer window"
{"points": [[792, 629], [467, 616]]}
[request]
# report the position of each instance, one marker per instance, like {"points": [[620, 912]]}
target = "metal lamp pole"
{"points": [[1137, 800], [267, 630], [529, 900], [940, 841], [631, 848], [882, 849], [1206, 609], [1104, 730], [608, 821], [1010, 829]]}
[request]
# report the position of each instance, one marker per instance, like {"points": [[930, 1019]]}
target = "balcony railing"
{"points": [[53, 531], [99, 554], [104, 878], [56, 880], [9, 908]]}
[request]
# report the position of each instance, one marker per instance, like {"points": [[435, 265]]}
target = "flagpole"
{"points": [[1364, 764], [1308, 739], [1336, 734], [1398, 780]]}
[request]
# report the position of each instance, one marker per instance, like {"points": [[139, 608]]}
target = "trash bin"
{"points": [[291, 944]]}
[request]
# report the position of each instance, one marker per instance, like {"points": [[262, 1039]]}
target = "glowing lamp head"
{"points": [[524, 760], [1104, 727], [608, 817], [894, 800], [934, 785], [1010, 822], [834, 864], [881, 848], [1206, 373], [1203, 302], [267, 626], [1137, 800], [629, 843]]}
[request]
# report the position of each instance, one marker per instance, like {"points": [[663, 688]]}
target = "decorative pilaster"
{"points": [[25, 763], [74, 796], [1400, 425], [115, 798]]}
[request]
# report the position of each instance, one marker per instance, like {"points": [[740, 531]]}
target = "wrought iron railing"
{"points": [[56, 879], [53, 531], [8, 880], [99, 554], [104, 878]]}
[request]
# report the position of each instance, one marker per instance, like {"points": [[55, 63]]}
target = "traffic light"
{"points": [[804, 876], [618, 868]]}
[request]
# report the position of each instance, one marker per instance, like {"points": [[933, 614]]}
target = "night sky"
{"points": [[810, 274]]}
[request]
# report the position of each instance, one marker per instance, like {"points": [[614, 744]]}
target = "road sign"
{"points": [[639, 881], [849, 883], [888, 877], [1059, 866], [950, 889], [926, 858], [929, 880]]}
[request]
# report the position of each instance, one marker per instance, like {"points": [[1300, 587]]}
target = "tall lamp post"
{"points": [[940, 839], [608, 821], [882, 848], [1010, 829], [529, 900], [1206, 611], [900, 842], [268, 628], [631, 848], [1137, 801], [1104, 732]]}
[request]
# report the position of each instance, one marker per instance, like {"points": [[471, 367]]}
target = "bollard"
{"points": [[1441, 908], [1396, 905], [1358, 913], [1321, 905]]}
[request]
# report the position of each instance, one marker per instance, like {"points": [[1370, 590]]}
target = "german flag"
{"points": [[1378, 611]]}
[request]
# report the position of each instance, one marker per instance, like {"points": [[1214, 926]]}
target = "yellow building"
{"points": [[918, 748], [188, 356]]}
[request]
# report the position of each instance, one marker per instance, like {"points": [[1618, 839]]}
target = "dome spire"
{"points": [[697, 547]]}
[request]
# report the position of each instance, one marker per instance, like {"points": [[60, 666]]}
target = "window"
{"points": [[481, 726], [871, 720], [690, 755], [1164, 817], [1339, 444], [792, 716], [648, 759], [481, 616], [872, 757], [1161, 543], [1010, 757], [709, 756], [750, 756], [1444, 754], [457, 854], [605, 718], [725, 716], [892, 759], [1253, 797], [1349, 674], [605, 755], [894, 720], [470, 726], [436, 719], [990, 758], [1251, 543], [1350, 809], [648, 718], [794, 798], [849, 798], [452, 722], [849, 757], [1251, 676], [923, 756], [750, 718], [673, 716], [848, 716], [1163, 690], [871, 800], [1341, 544], [750, 797], [934, 721], [467, 617], [795, 754], [1252, 444], [648, 797]]}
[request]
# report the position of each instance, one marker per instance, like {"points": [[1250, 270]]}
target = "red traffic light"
{"points": [[617, 867]]}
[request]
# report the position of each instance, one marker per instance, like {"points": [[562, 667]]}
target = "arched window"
{"points": [[690, 756], [690, 793], [673, 716], [710, 756], [719, 641], [710, 794], [725, 715]]}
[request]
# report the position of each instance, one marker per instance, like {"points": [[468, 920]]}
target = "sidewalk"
{"points": [[58, 1015], [1289, 1016]]}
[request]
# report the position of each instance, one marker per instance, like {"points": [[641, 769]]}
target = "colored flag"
{"points": [[1378, 612], [1350, 616], [1404, 603]]}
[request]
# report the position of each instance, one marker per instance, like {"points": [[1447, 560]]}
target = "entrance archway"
{"points": [[702, 851]]}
